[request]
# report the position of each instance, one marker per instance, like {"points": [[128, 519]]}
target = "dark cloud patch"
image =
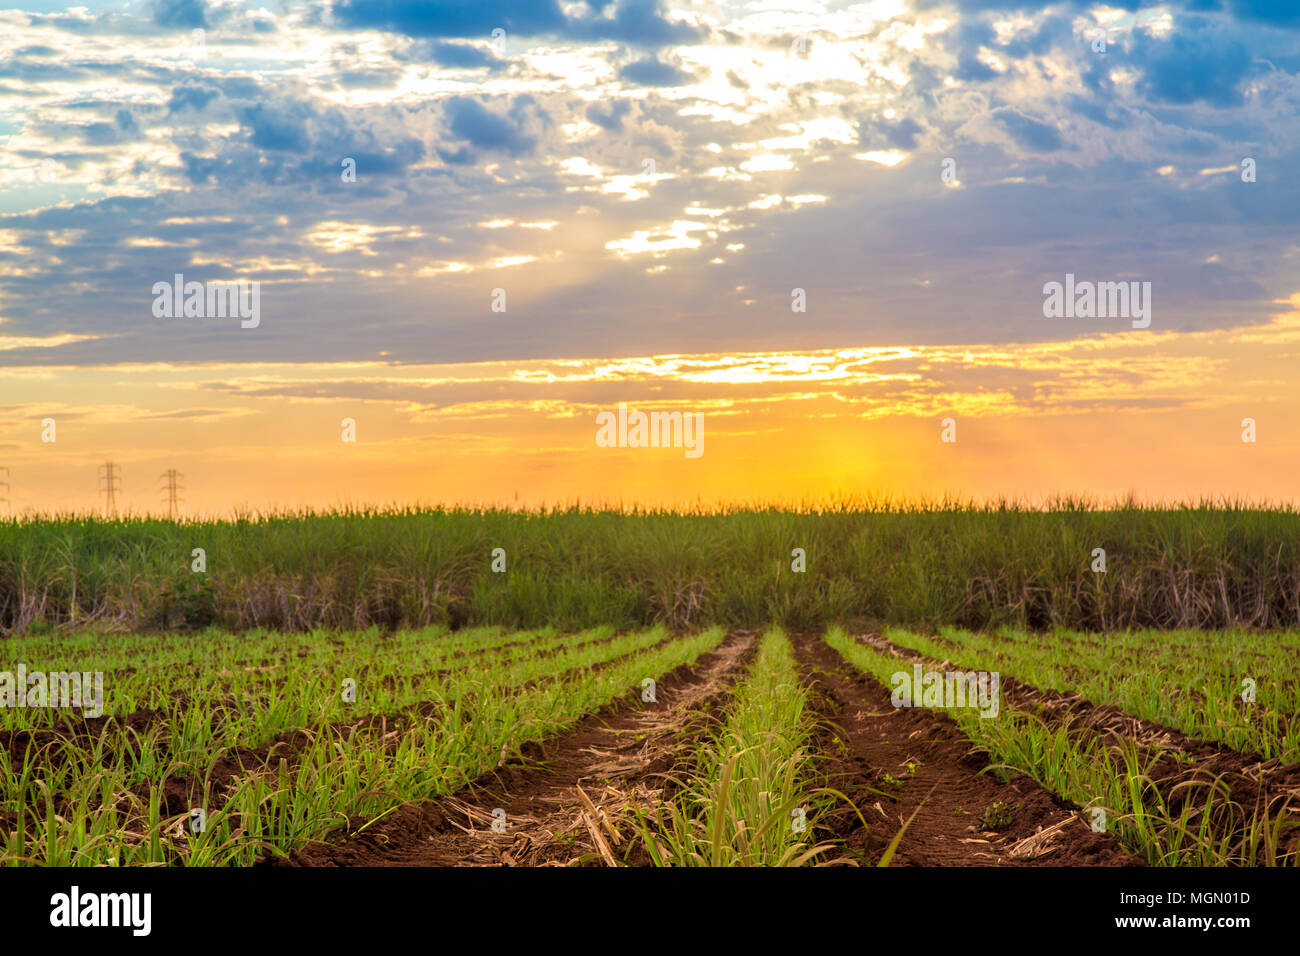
{"points": [[635, 22], [190, 97], [1027, 132], [278, 128], [71, 22], [463, 56], [515, 132], [1196, 144], [30, 72], [1104, 113], [897, 134], [239, 87], [368, 79], [639, 23], [200, 169], [386, 161], [609, 117], [122, 129], [460, 156], [649, 71]]}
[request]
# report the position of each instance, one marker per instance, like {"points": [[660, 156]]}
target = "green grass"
{"points": [[1203, 566], [750, 800], [1190, 681], [1194, 823], [421, 731]]}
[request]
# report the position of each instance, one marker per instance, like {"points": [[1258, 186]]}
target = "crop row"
{"points": [[84, 802], [1194, 683], [1195, 819], [1206, 565]]}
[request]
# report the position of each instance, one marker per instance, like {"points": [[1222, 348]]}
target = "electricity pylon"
{"points": [[110, 480], [172, 479]]}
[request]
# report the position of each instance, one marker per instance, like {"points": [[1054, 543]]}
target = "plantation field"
{"points": [[1081, 566], [641, 746]]}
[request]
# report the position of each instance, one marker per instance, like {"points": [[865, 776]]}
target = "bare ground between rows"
{"points": [[569, 802], [178, 793], [181, 792], [85, 733], [1253, 784], [938, 777]]}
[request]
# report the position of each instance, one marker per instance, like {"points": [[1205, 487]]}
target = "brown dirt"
{"points": [[1183, 769], [78, 733], [568, 804], [207, 787], [180, 792], [946, 790], [83, 733]]}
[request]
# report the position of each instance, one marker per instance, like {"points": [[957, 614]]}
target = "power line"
{"points": [[110, 481], [172, 477]]}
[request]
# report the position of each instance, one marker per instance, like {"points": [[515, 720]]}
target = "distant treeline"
{"points": [[973, 566]]}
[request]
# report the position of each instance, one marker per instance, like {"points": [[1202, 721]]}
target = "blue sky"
{"points": [[641, 178], [228, 163]]}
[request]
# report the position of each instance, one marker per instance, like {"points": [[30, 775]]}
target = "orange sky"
{"points": [[1156, 413]]}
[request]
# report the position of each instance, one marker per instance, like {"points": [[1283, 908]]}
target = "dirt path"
{"points": [[932, 767], [569, 803], [1185, 770]]}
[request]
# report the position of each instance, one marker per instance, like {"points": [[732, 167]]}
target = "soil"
{"points": [[897, 764], [1183, 769], [568, 802]]}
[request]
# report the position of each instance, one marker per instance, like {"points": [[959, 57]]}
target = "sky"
{"points": [[824, 231]]}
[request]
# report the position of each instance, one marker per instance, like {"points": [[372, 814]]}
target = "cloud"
{"points": [[190, 97], [610, 116], [1027, 132], [278, 128], [515, 132], [894, 134], [463, 56], [649, 71], [635, 22]]}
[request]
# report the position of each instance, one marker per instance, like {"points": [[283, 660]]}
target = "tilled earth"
{"points": [[897, 764], [569, 800]]}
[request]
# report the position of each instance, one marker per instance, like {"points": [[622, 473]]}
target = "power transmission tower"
{"points": [[172, 478], [110, 480], [5, 485]]}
